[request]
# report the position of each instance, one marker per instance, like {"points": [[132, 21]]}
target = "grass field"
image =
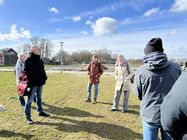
{"points": [[72, 118]]}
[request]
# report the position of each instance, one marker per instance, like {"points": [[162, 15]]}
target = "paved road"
{"points": [[58, 71]]}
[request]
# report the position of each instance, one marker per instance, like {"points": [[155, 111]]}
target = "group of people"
{"points": [[162, 107], [163, 102], [33, 67], [123, 74]]}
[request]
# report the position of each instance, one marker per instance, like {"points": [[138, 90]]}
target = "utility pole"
{"points": [[61, 44]]}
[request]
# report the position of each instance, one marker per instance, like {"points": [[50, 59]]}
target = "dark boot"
{"points": [[88, 100], [44, 114], [95, 101]]}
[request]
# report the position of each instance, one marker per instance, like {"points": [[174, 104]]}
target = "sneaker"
{"points": [[30, 121], [94, 102], [112, 109], [88, 100], [44, 114], [124, 111]]}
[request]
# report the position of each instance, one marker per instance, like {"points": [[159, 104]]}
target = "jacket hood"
{"points": [[156, 61]]}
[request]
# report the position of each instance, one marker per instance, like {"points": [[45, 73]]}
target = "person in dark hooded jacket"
{"points": [[34, 69], [174, 109], [152, 82]]}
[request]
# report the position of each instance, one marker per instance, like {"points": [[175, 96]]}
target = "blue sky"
{"points": [[123, 26]]}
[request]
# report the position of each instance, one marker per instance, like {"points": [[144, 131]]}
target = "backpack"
{"points": [[132, 78]]}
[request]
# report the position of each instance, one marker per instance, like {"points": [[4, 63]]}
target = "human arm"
{"points": [[138, 86]]}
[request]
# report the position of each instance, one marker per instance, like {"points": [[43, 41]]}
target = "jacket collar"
{"points": [[34, 55]]}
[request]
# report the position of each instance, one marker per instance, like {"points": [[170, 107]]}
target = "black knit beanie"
{"points": [[155, 44]]}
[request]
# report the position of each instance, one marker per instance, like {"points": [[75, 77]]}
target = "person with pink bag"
{"points": [[20, 65]]}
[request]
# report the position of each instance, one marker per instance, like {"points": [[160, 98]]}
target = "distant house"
{"points": [[8, 56]]}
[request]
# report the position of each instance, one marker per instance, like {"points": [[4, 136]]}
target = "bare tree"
{"points": [[66, 57], [35, 40], [25, 48], [104, 54], [83, 56], [45, 45]]}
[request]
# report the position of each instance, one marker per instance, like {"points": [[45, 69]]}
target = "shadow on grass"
{"points": [[105, 103], [8, 134], [103, 130], [129, 111], [130, 106], [134, 112], [134, 106], [69, 111]]}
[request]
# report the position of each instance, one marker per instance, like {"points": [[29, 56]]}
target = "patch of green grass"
{"points": [[72, 118]]}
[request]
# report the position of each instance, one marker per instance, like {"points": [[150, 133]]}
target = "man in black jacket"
{"points": [[174, 109], [34, 69]]}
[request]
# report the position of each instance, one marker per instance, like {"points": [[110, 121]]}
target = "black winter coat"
{"points": [[174, 109], [34, 69]]}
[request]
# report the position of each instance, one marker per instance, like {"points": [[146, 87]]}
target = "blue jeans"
{"points": [[95, 90], [150, 132], [38, 91], [22, 100], [117, 99]]}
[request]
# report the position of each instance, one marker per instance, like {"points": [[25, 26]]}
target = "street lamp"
{"points": [[61, 44]]}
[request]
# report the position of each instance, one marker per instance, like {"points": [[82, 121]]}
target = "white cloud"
{"points": [[88, 22], [59, 29], [84, 32], [91, 17], [15, 35], [151, 12], [129, 44], [1, 2], [56, 20], [76, 18], [173, 32], [2, 38], [179, 6], [126, 21], [116, 6], [54, 10], [104, 26]]}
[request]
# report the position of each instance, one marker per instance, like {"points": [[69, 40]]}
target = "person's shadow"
{"points": [[101, 129], [130, 110], [105, 103], [8, 134], [134, 106], [69, 111]]}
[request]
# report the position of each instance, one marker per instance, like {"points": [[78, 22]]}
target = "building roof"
{"points": [[5, 50]]}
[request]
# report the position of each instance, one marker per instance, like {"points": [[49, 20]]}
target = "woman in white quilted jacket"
{"points": [[123, 73]]}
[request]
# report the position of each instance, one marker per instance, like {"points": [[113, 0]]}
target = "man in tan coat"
{"points": [[123, 74], [95, 70]]}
